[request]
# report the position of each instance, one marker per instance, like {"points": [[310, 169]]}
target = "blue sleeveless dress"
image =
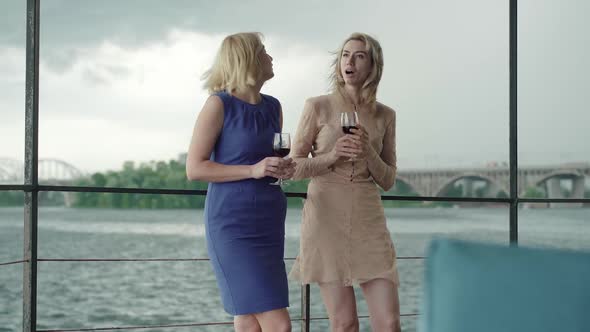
{"points": [[245, 220]]}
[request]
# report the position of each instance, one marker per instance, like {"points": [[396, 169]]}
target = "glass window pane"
{"points": [[11, 250], [12, 90], [117, 294], [109, 294], [444, 78], [555, 225], [553, 75], [11, 297], [413, 228], [122, 201], [11, 226], [107, 231], [119, 86]]}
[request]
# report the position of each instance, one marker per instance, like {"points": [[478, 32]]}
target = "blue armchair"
{"points": [[472, 287]]}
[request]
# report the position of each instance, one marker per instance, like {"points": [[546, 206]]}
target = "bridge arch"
{"points": [[5, 176], [474, 176], [48, 169], [554, 189], [408, 183], [58, 170], [560, 174], [11, 170]]}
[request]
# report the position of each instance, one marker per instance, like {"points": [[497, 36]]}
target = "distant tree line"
{"points": [[172, 175]]}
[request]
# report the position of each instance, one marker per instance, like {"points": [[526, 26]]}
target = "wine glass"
{"points": [[281, 144], [348, 121]]}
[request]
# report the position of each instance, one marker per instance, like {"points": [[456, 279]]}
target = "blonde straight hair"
{"points": [[369, 89], [236, 65]]}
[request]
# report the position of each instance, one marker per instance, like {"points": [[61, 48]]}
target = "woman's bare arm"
{"points": [[205, 133]]}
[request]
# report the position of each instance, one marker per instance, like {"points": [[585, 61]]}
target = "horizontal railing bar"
{"points": [[15, 262], [554, 200], [147, 327], [14, 187], [137, 327], [188, 325], [410, 257], [158, 259], [365, 316], [401, 315], [445, 199], [288, 194], [122, 259], [123, 190]]}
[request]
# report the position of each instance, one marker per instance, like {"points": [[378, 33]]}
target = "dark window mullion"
{"points": [[31, 167], [513, 122]]}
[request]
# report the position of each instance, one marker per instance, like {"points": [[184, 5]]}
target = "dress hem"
{"points": [[259, 308]]}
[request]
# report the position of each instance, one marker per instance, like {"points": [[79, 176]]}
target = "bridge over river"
{"points": [[550, 180]]}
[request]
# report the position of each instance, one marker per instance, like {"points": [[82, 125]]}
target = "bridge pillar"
{"points": [[579, 184], [491, 190], [578, 187], [554, 190], [69, 199], [467, 187]]}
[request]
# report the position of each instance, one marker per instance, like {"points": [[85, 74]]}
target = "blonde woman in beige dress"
{"points": [[344, 236]]}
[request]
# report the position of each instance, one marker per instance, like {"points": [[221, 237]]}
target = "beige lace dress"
{"points": [[344, 236]]}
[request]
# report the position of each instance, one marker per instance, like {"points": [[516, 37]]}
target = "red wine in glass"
{"points": [[281, 145], [348, 121], [346, 129], [282, 152]]}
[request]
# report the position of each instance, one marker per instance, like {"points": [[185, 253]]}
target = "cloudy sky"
{"points": [[120, 79]]}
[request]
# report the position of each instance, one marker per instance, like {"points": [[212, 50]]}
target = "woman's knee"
{"points": [[284, 325], [275, 320], [389, 324], [344, 322], [246, 323]]}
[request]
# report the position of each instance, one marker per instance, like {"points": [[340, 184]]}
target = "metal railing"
{"points": [[306, 299], [305, 318]]}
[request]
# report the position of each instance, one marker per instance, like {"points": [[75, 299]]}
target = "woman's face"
{"points": [[265, 61], [355, 64]]}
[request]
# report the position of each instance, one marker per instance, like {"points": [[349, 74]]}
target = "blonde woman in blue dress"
{"points": [[232, 148]]}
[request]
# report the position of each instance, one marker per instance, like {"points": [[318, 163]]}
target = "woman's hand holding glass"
{"points": [[281, 144], [287, 169], [347, 146], [350, 124], [276, 167], [361, 137]]}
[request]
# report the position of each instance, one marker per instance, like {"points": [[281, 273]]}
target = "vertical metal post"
{"points": [[513, 124], [31, 163], [305, 307]]}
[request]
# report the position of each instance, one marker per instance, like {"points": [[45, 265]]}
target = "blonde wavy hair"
{"points": [[236, 65], [369, 89]]}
